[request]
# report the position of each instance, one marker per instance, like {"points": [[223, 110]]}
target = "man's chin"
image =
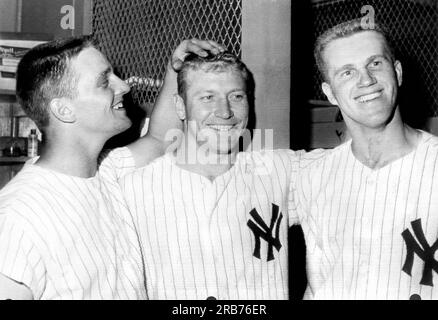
{"points": [[224, 150]]}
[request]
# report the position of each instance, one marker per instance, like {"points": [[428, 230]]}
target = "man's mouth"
{"points": [[368, 97], [222, 127], [118, 105]]}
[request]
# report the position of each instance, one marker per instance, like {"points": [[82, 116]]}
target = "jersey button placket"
{"points": [[208, 238]]}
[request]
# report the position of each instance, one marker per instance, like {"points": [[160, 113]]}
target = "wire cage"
{"points": [[138, 36], [413, 27]]}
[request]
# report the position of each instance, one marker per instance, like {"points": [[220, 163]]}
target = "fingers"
{"points": [[206, 45], [177, 64], [196, 46], [217, 45]]}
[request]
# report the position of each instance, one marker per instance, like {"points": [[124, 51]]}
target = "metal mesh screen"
{"points": [[413, 26], [138, 36]]}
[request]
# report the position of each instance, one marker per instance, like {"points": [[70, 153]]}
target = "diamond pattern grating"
{"points": [[413, 26], [138, 36]]}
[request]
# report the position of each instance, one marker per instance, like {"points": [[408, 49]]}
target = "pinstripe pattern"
{"points": [[69, 238], [353, 218], [194, 231]]}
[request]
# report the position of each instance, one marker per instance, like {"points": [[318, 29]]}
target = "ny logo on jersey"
{"points": [[262, 231], [423, 250]]}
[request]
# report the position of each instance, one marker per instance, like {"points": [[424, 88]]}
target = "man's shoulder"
{"points": [[116, 159], [40, 187], [318, 157], [114, 164], [269, 162], [149, 169], [25, 190], [285, 158], [430, 140], [285, 155]]}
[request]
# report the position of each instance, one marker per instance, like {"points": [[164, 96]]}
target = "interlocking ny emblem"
{"points": [[262, 231], [422, 249]]}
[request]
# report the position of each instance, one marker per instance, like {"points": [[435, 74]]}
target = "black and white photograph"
{"points": [[220, 155]]}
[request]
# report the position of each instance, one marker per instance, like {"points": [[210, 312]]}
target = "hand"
{"points": [[199, 47]]}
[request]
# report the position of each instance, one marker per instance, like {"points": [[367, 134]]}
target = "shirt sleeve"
{"points": [[20, 260], [299, 189], [115, 164], [292, 196]]}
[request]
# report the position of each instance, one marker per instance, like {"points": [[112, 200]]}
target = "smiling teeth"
{"points": [[369, 97], [221, 127], [118, 106]]}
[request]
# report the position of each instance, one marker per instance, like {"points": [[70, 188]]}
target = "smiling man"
{"points": [[368, 207], [64, 230], [213, 221]]}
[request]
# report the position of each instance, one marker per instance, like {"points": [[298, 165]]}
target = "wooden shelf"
{"points": [[7, 92], [13, 160]]}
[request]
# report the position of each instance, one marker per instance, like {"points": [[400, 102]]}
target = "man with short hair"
{"points": [[64, 230], [213, 222], [367, 207]]}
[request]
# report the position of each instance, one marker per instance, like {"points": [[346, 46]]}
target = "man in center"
{"points": [[213, 221]]}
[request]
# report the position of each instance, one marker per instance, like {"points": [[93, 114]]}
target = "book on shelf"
{"points": [[7, 75], [13, 46], [16, 49], [10, 61], [8, 84], [7, 50], [12, 69]]}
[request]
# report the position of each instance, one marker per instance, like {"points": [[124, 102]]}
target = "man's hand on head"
{"points": [[196, 46], [164, 117]]}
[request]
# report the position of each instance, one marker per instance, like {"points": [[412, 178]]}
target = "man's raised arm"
{"points": [[164, 117]]}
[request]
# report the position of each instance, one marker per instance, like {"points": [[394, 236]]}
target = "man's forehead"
{"points": [[90, 60], [354, 48], [199, 76]]}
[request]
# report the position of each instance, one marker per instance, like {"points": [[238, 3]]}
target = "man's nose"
{"points": [[121, 87], [366, 78], [224, 110]]}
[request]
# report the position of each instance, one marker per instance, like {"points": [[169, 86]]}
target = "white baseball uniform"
{"points": [[371, 234], [225, 238], [67, 237]]}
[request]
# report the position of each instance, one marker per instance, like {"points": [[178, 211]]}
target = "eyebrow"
{"points": [[377, 56], [344, 67], [203, 91], [103, 75], [350, 66], [214, 91]]}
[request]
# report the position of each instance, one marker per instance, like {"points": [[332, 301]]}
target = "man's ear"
{"points": [[398, 72], [180, 106], [329, 93], [62, 110]]}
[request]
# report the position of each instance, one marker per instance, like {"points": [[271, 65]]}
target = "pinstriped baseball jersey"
{"points": [[67, 237], [225, 238], [371, 234]]}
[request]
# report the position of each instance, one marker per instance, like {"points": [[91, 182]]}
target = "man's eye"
{"points": [[346, 73], [237, 97], [207, 98], [104, 83], [376, 63]]}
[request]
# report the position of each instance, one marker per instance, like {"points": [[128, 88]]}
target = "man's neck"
{"points": [[209, 171], [208, 164], [377, 147], [71, 157]]}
